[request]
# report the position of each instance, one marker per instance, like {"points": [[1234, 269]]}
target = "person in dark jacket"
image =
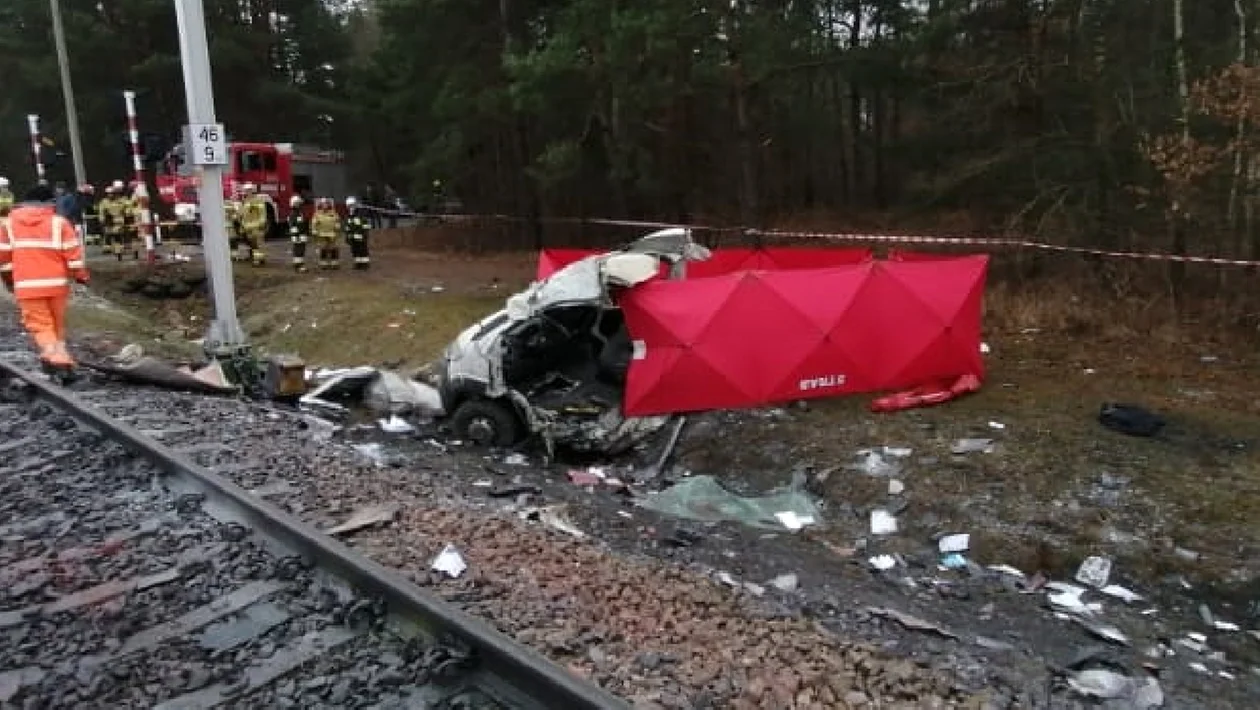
{"points": [[67, 204], [357, 228]]}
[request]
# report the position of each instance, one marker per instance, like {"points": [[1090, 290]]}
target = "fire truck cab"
{"points": [[280, 170]]}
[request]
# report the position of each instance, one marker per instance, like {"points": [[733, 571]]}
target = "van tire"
{"points": [[486, 422]]}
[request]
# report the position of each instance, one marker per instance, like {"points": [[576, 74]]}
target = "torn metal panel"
{"points": [[150, 371]]}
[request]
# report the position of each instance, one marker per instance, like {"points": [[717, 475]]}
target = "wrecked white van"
{"points": [[553, 362]]}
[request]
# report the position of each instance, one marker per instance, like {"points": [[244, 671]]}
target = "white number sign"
{"points": [[207, 144]]}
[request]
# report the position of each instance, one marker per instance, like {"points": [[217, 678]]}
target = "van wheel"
{"points": [[486, 423]]}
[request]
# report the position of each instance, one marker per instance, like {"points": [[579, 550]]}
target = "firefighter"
{"points": [[6, 197], [133, 207], [357, 229], [91, 221], [326, 227], [113, 214], [299, 233], [232, 218], [39, 255], [254, 223]]}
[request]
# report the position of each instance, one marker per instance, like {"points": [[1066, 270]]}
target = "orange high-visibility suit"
{"points": [[39, 255]]}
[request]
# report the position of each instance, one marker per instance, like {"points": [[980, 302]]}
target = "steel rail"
{"points": [[525, 673]]}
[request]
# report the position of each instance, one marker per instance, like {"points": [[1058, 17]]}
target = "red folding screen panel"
{"points": [[751, 338]]}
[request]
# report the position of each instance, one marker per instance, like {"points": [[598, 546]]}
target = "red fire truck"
{"points": [[280, 170]]}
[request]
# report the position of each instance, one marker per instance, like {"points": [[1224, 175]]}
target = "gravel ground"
{"points": [[661, 635], [652, 620], [102, 569]]}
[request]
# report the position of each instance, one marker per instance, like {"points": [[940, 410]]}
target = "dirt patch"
{"points": [[401, 312]]}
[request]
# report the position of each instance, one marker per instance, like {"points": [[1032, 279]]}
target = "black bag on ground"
{"points": [[1130, 419]]}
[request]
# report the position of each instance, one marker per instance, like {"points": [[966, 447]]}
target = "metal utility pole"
{"points": [[72, 114], [205, 146]]}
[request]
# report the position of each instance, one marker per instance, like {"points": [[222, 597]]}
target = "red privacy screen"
{"points": [[746, 338]]}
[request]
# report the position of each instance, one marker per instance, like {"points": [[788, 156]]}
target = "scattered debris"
{"points": [[792, 521], [449, 561], [910, 621], [373, 451], [512, 490], [972, 446], [1009, 571], [390, 392], [1100, 683], [1115, 590], [895, 487], [1068, 598], [681, 537], [1205, 613], [586, 477], [1188, 555], [997, 425], [954, 561], [552, 516], [1094, 571], [883, 563], [1130, 419], [343, 384], [395, 425], [366, 517], [151, 371], [785, 582], [1105, 632], [873, 462], [516, 459], [883, 523], [958, 542], [703, 498]]}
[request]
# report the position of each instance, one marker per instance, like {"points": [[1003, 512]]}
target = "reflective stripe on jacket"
{"points": [[41, 250]]}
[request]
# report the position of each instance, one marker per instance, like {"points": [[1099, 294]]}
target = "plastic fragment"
{"points": [[785, 582], [1008, 570], [792, 521], [1094, 571], [883, 563], [883, 523], [971, 446], [959, 542], [1115, 590], [450, 562]]}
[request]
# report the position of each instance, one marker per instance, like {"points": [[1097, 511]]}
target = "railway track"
{"points": [[131, 576]]}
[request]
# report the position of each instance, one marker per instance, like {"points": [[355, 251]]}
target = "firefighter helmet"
{"points": [[116, 185], [295, 201], [351, 202], [4, 182], [249, 188]]}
